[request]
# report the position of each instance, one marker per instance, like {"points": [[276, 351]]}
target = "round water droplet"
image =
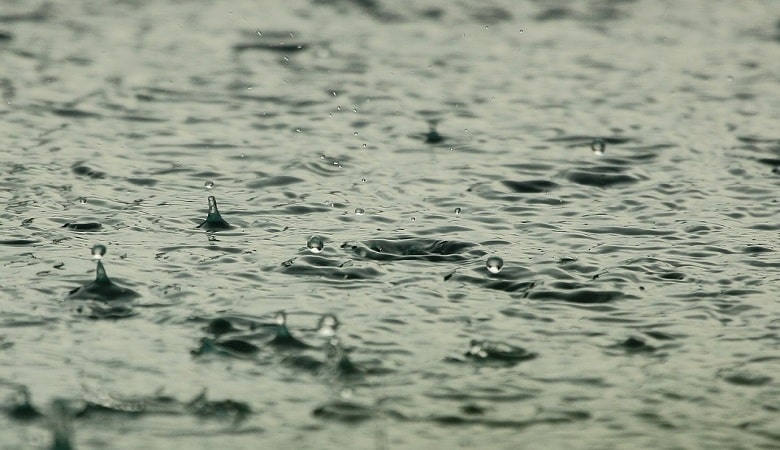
{"points": [[598, 146], [359, 211], [494, 264], [365, 146], [457, 211], [82, 200], [315, 244], [209, 185], [355, 133], [259, 33], [98, 251], [363, 180], [327, 325], [280, 318]]}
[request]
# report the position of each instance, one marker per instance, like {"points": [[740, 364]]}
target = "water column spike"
{"points": [[214, 220]]}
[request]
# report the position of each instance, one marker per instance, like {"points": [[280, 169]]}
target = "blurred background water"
{"points": [[620, 158]]}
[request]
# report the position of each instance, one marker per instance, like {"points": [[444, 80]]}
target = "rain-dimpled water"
{"points": [[327, 224]]}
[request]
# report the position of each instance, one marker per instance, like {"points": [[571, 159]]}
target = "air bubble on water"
{"points": [[209, 185], [315, 244], [598, 146], [98, 251], [328, 325], [359, 211], [457, 211], [281, 318], [494, 264]]}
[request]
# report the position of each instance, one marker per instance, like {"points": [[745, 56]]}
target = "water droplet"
{"points": [[286, 59], [457, 211], [98, 251], [364, 145], [281, 318], [494, 264], [328, 325], [354, 110], [209, 185], [259, 33], [315, 244], [363, 180], [359, 211], [355, 133], [297, 130], [598, 146], [338, 108], [414, 219], [82, 200], [334, 93]]}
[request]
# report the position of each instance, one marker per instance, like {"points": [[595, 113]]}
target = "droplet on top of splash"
{"points": [[98, 251], [494, 264], [281, 318], [315, 244], [598, 146]]}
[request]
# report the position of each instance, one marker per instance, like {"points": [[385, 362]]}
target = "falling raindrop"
{"points": [[315, 244], [98, 251], [598, 146], [359, 211], [327, 325], [494, 264], [209, 185]]}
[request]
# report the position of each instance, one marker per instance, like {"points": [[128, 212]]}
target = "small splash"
{"points": [[327, 326], [494, 264], [598, 146], [315, 244], [214, 220], [98, 251], [209, 185]]}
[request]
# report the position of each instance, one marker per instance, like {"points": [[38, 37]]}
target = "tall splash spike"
{"points": [[214, 220]]}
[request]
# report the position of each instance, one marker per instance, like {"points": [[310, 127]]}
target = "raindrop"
{"points": [[363, 180], [457, 211], [82, 200], [359, 211], [364, 145], [598, 146], [297, 130], [355, 133], [494, 264], [354, 110], [209, 185], [259, 33], [334, 93], [338, 108], [315, 244], [327, 325], [98, 251]]}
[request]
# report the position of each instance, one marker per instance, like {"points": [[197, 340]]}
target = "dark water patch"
{"points": [[148, 182], [530, 186], [565, 417], [18, 242], [756, 249], [72, 113], [627, 231], [85, 171], [86, 226], [277, 47], [602, 177], [103, 311], [573, 293], [237, 348], [328, 269], [409, 248], [741, 377], [41, 14], [275, 181], [634, 345], [5, 36], [20, 406], [344, 411], [503, 282], [494, 354]]}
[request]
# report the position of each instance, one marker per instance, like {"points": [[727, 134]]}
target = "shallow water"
{"points": [[637, 302]]}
